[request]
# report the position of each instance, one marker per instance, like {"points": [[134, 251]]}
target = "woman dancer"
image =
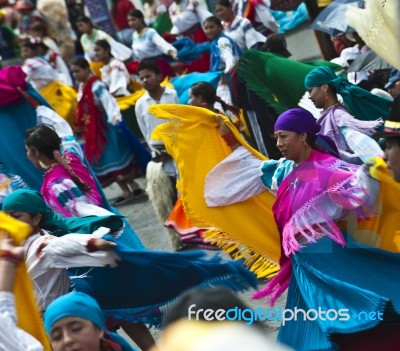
{"points": [[225, 53], [320, 259], [148, 44], [350, 133], [114, 73], [236, 27], [76, 319], [105, 147], [53, 85], [90, 34], [125, 302]]}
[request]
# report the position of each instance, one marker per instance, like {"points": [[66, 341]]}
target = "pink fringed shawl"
{"points": [[318, 192], [58, 173]]}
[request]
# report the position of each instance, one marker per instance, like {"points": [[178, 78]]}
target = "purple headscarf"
{"points": [[297, 120], [300, 120]]}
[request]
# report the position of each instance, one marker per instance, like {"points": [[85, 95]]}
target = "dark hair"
{"points": [[224, 3], [29, 43], [137, 14], [150, 65], [206, 91], [81, 62], [40, 27], [395, 140], [213, 19], [44, 139], [84, 19], [104, 44], [209, 95], [331, 89]]}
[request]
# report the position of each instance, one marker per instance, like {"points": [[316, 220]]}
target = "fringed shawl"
{"points": [[244, 230], [313, 197]]}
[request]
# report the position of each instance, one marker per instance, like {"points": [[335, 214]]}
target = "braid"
{"points": [[64, 163], [228, 107]]}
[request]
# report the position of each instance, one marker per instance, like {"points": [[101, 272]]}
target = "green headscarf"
{"points": [[32, 202], [361, 103]]}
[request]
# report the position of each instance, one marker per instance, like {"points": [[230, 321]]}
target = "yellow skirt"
{"points": [[63, 99]]}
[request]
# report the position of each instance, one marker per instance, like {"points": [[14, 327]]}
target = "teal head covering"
{"points": [[32, 202], [77, 304], [361, 103], [74, 304]]}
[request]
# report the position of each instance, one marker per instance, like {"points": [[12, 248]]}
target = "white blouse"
{"points": [[116, 77], [47, 266], [13, 338], [103, 99], [243, 33], [39, 72], [149, 44]]}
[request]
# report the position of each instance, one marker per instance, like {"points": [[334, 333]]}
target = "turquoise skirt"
{"points": [[352, 291]]}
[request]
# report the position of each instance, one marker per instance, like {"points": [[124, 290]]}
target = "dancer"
{"points": [[114, 73], [312, 239], [90, 34], [350, 134], [52, 84], [76, 319], [122, 299], [105, 147], [146, 42], [225, 52], [236, 27]]}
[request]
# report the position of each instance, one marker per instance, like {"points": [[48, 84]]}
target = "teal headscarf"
{"points": [[77, 304], [31, 201], [361, 103]]}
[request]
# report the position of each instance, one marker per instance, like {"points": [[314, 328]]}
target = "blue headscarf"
{"points": [[76, 304]]}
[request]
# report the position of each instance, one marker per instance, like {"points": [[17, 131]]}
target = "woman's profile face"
{"points": [[317, 96], [75, 334], [291, 145], [195, 100], [80, 74], [27, 53], [32, 220], [222, 12], [100, 54], [33, 156], [83, 27], [212, 30], [135, 23], [392, 157]]}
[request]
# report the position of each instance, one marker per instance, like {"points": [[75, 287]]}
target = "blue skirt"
{"points": [[352, 289]]}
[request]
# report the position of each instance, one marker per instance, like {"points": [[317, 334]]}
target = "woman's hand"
{"points": [[7, 244], [227, 134], [116, 120], [173, 54], [104, 245]]}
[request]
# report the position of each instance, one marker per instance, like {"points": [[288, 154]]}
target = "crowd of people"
{"points": [[292, 168]]}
